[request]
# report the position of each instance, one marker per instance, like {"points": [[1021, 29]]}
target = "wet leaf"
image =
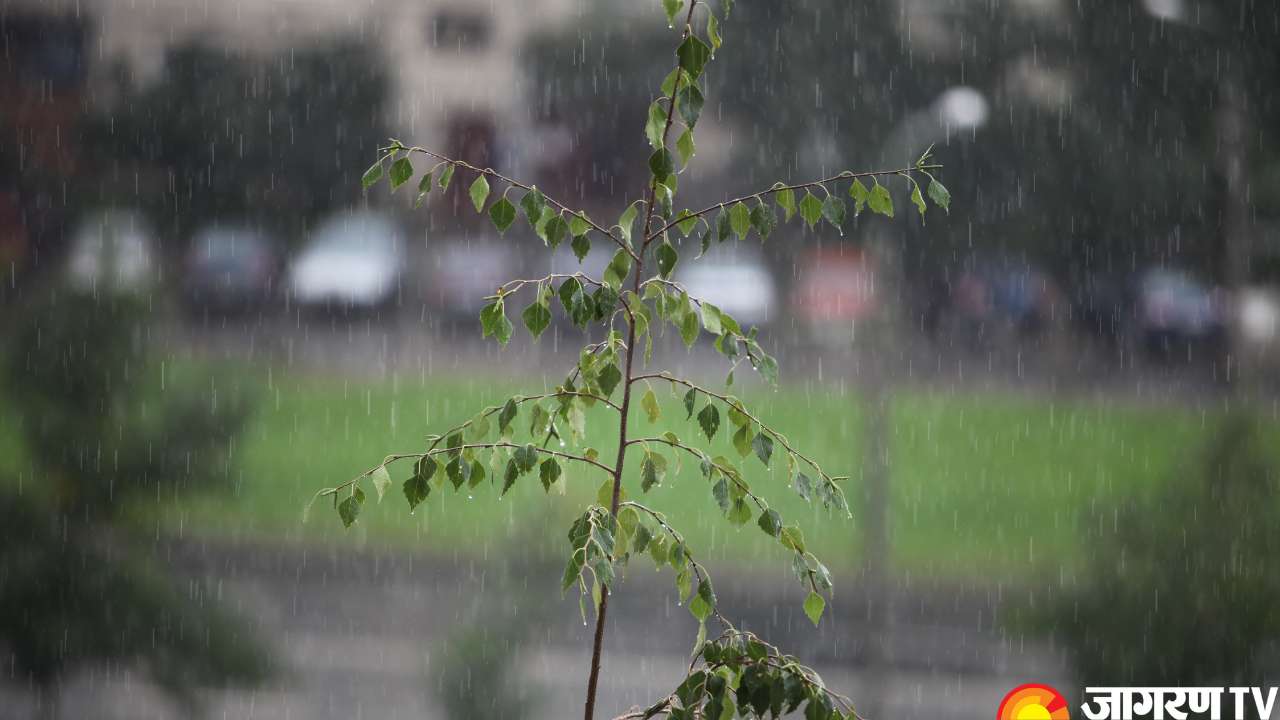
{"points": [[813, 607], [479, 193]]}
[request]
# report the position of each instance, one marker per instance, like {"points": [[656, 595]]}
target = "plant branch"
{"points": [[846, 175], [492, 409], [470, 446], [516, 183], [731, 402], [512, 286]]}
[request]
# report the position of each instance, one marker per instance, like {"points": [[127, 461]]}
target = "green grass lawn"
{"points": [[999, 485]]}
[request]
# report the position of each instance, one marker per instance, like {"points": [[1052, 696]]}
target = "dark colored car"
{"points": [[230, 268]]}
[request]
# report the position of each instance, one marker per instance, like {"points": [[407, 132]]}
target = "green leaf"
{"points": [[608, 379], [686, 222], [618, 270], [655, 125], [669, 82], [381, 480], [804, 486], [667, 259], [627, 220], [556, 229], [712, 319], [653, 469], [693, 55], [720, 491], [690, 398], [685, 148], [709, 420], [549, 472], [579, 224], [723, 225], [502, 214], [918, 198], [813, 607], [446, 175], [672, 8], [525, 457], [417, 488], [533, 203], [689, 102], [581, 246], [401, 171], [740, 219], [763, 445], [763, 220], [661, 164], [509, 476], [740, 514], [650, 405], [880, 201], [540, 422], [540, 227], [859, 193], [507, 414], [791, 538], [536, 318], [810, 209], [770, 522], [479, 193], [458, 471], [493, 321], [372, 175], [742, 440], [787, 201], [699, 606], [713, 31], [349, 509], [833, 211], [939, 194], [424, 189], [689, 327]]}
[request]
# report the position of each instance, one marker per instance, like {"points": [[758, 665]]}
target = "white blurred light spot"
{"points": [[963, 108], [1172, 10], [1259, 316]]}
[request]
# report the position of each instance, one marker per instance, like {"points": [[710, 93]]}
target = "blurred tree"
{"points": [[1180, 587], [230, 138], [1100, 146], [103, 426]]}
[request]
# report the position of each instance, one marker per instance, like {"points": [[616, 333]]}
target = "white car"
{"points": [[734, 278], [113, 250], [353, 260]]}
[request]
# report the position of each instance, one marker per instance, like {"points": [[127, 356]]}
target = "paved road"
{"points": [[364, 636]]}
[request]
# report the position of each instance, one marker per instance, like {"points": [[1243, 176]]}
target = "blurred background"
{"points": [[1057, 404]]}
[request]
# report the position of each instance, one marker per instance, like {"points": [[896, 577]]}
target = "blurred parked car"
{"points": [[994, 300], [835, 288], [354, 260], [230, 268], [1175, 311], [113, 250], [462, 270], [734, 278]]}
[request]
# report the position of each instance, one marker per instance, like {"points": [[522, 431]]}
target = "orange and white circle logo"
{"points": [[1033, 702]]}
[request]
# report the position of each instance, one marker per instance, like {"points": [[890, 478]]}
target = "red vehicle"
{"points": [[835, 288]]}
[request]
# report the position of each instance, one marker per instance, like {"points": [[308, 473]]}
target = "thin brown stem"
{"points": [[598, 641]]}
